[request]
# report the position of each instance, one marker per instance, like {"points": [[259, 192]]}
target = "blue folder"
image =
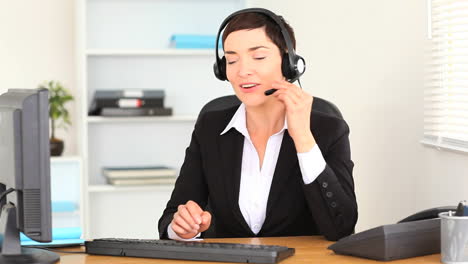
{"points": [[192, 41], [55, 243], [67, 236]]}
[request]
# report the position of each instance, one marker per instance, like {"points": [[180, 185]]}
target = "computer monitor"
{"points": [[25, 175]]}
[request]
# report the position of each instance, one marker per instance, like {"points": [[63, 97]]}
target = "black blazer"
{"points": [[211, 174]]}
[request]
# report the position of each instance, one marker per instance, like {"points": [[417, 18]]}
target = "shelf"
{"points": [[137, 54], [112, 188], [140, 119], [65, 159], [150, 52]]}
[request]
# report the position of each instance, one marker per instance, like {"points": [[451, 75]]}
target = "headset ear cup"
{"points": [[300, 65], [286, 68], [220, 69]]}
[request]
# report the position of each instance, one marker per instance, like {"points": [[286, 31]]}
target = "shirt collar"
{"points": [[239, 122]]}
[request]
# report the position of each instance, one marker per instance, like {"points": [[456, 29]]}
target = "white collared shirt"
{"points": [[255, 181]]}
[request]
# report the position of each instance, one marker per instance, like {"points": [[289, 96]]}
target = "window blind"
{"points": [[446, 89]]}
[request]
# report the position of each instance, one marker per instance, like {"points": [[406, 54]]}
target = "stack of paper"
{"points": [[142, 175]]}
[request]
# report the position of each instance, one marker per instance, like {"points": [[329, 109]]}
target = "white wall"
{"points": [[36, 44], [367, 56]]}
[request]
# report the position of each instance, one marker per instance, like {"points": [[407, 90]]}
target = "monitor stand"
{"points": [[11, 250]]}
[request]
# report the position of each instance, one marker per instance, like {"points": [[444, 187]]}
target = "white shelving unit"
{"points": [[152, 119], [150, 52], [65, 159], [110, 188], [124, 44]]}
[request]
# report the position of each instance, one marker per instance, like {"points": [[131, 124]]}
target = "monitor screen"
{"points": [[25, 174]]}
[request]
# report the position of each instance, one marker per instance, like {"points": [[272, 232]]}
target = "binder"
{"points": [[126, 99], [129, 93], [129, 102], [147, 111]]}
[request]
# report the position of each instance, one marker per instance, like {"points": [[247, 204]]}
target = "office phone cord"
{"points": [[4, 194], [57, 250]]}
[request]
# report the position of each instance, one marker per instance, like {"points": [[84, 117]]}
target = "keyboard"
{"points": [[193, 250]]}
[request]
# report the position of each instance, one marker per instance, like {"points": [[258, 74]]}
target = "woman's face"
{"points": [[253, 63]]}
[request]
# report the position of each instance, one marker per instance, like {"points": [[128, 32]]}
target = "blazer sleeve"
{"points": [[331, 198], [190, 184]]}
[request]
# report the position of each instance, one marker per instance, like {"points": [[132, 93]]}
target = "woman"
{"points": [[270, 167]]}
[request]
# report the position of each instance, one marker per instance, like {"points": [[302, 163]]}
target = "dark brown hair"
{"points": [[257, 20]]}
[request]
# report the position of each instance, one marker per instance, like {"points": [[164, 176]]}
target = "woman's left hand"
{"points": [[298, 105]]}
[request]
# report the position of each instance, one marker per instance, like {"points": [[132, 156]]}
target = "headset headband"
{"points": [[271, 15]]}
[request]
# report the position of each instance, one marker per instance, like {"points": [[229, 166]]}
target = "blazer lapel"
{"points": [[287, 159], [231, 147]]}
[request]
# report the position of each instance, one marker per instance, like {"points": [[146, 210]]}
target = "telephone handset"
{"points": [[428, 214]]}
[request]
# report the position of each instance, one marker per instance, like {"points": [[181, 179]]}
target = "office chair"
{"points": [[225, 102]]}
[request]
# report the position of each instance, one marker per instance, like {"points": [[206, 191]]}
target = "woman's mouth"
{"points": [[249, 87]]}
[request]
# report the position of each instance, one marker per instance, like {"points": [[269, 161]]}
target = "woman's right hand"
{"points": [[189, 220]]}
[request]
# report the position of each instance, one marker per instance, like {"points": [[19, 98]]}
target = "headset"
{"points": [[292, 66]]}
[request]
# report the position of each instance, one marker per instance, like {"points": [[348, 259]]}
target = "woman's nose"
{"points": [[245, 68]]}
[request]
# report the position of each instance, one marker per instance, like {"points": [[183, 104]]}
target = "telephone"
{"points": [[415, 235]]}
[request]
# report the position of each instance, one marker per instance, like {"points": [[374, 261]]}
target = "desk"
{"points": [[309, 249]]}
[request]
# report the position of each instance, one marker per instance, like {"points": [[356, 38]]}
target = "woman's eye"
{"points": [[230, 62], [260, 58]]}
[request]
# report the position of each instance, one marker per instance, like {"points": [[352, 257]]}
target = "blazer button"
{"points": [[329, 194], [333, 204], [325, 184]]}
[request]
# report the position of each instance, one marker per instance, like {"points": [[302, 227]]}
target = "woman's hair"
{"points": [[257, 20]]}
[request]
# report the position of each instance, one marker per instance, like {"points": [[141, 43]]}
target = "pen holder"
{"points": [[454, 238]]}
